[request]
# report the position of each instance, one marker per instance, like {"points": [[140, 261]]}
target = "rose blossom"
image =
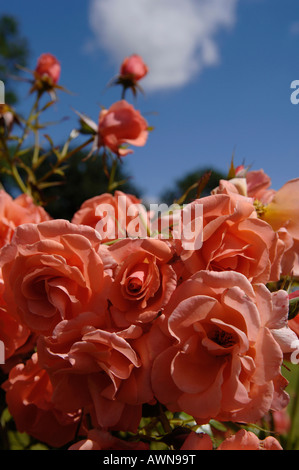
{"points": [[282, 212], [226, 341], [258, 184], [197, 441], [143, 280], [53, 271], [28, 396], [48, 66], [134, 67], [233, 238], [242, 440], [247, 440], [107, 368], [115, 212], [14, 212], [122, 124], [13, 334]]}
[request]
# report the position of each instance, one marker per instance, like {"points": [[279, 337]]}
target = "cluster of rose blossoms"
{"points": [[94, 331]]}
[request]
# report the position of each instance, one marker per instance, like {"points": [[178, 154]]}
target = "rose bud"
{"points": [[134, 67], [48, 67]]}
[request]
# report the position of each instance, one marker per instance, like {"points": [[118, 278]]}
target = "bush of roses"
{"points": [[116, 339]]}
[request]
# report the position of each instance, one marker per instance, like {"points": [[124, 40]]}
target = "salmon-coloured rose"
{"points": [[283, 212], [143, 280], [120, 125], [111, 215], [258, 186], [107, 368], [225, 351], [197, 441], [48, 66], [282, 421], [98, 439], [233, 238], [247, 440], [12, 333], [28, 396], [14, 212], [133, 67], [53, 271]]}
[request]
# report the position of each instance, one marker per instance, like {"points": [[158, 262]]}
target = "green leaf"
{"points": [[293, 308], [217, 425], [18, 440], [5, 417], [38, 446]]}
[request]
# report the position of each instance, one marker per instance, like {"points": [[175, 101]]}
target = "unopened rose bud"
{"points": [[133, 67], [49, 67]]}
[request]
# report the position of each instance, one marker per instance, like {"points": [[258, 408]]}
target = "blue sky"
{"points": [[219, 80]]}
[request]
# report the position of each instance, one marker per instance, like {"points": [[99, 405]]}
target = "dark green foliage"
{"points": [[83, 180], [14, 51], [181, 186]]}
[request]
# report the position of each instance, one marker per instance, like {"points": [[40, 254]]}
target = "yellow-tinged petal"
{"points": [[283, 210]]}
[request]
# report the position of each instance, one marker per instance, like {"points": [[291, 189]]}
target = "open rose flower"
{"points": [[226, 345], [111, 215], [29, 400], [282, 212], [13, 334], [233, 238], [258, 186], [18, 211], [53, 271], [247, 440], [108, 370], [143, 280], [121, 125]]}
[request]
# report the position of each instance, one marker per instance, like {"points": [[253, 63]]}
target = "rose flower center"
{"points": [[135, 281], [223, 338]]}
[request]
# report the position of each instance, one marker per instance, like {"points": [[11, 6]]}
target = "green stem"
{"points": [[18, 179], [36, 138], [164, 421], [62, 160], [33, 109], [13, 168], [112, 176]]}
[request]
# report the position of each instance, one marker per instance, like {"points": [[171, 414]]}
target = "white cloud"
{"points": [[176, 38], [294, 28]]}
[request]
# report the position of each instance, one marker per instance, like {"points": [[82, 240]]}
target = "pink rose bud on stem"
{"points": [[48, 65], [134, 67], [131, 71], [46, 73]]}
